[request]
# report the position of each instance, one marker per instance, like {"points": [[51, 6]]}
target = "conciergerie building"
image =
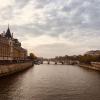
{"points": [[10, 48]]}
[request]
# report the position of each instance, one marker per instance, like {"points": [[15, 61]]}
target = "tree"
{"points": [[87, 59], [32, 56]]}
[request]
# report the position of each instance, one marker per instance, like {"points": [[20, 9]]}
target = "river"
{"points": [[51, 82]]}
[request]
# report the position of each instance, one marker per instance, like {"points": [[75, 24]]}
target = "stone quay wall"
{"points": [[13, 68], [93, 66]]}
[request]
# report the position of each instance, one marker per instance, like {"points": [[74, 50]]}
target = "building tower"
{"points": [[8, 33], [10, 38]]}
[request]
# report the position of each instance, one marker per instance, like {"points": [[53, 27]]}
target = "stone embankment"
{"points": [[93, 65], [13, 68]]}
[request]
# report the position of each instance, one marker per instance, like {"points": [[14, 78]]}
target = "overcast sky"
{"points": [[53, 27]]}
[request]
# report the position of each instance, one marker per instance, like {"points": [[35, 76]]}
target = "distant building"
{"points": [[10, 48], [93, 53]]}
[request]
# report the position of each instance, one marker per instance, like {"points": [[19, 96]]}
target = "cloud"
{"points": [[59, 49], [21, 3], [5, 3], [70, 21]]}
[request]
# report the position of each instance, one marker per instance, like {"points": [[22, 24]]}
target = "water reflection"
{"points": [[50, 82]]}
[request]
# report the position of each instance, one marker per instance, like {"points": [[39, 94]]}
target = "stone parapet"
{"points": [[13, 68]]}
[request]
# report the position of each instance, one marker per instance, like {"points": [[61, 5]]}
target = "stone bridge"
{"points": [[55, 61]]}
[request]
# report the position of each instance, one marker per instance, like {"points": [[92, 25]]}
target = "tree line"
{"points": [[87, 59]]}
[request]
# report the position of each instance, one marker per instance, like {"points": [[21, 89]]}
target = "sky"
{"points": [[52, 28]]}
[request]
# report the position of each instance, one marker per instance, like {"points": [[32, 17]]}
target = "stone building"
{"points": [[93, 53], [10, 48]]}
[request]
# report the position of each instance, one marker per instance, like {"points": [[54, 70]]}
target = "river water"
{"points": [[51, 82]]}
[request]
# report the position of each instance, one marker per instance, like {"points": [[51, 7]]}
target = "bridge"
{"points": [[63, 62]]}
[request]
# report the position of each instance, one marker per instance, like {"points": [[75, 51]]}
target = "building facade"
{"points": [[93, 53], [10, 48]]}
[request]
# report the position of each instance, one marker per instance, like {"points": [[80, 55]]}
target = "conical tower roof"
{"points": [[8, 33]]}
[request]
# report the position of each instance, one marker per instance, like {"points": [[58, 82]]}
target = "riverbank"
{"points": [[14, 68], [92, 66]]}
